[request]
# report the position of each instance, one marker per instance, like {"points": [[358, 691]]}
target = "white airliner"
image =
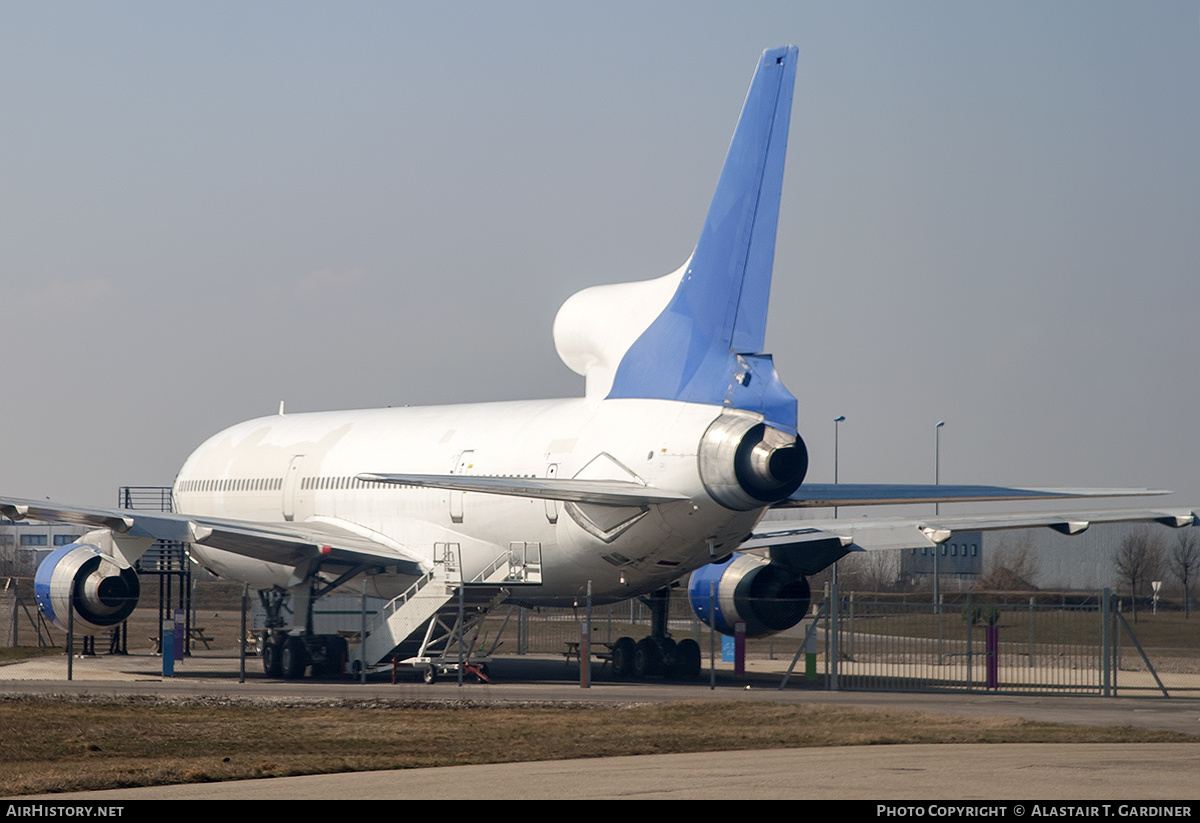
{"points": [[684, 438]]}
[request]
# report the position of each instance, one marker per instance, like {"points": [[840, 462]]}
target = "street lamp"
{"points": [[937, 548], [937, 457], [841, 418]]}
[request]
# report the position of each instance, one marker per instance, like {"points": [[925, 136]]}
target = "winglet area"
{"points": [[706, 345]]}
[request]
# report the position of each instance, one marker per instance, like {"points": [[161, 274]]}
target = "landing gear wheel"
{"points": [[294, 659], [335, 651], [687, 660], [338, 653], [271, 653], [430, 675], [622, 658], [647, 659]]}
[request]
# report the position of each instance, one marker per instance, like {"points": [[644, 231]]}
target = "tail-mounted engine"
{"points": [[767, 597], [104, 590], [746, 464]]}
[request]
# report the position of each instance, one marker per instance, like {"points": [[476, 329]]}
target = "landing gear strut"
{"points": [[289, 656], [657, 655]]}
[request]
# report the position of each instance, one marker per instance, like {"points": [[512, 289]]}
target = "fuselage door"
{"points": [[291, 482], [463, 465], [552, 505]]}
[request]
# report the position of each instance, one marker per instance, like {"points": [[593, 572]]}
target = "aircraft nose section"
{"points": [[745, 464]]}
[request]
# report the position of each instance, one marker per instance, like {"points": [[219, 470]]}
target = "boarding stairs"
{"points": [[426, 623]]}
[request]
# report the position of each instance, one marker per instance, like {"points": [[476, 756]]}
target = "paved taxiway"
{"points": [[1157, 772]]}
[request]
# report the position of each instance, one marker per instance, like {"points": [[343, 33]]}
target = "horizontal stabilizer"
{"points": [[599, 492], [811, 495]]}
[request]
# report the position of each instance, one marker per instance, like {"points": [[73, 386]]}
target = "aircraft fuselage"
{"points": [[304, 467]]}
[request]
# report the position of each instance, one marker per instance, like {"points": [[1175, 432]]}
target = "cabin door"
{"points": [[291, 482], [462, 465]]}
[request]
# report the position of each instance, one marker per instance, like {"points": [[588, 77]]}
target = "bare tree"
{"points": [[1184, 562], [1010, 567], [1137, 560]]}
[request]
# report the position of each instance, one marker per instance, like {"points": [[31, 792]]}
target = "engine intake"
{"points": [[767, 597], [746, 464], [104, 590]]}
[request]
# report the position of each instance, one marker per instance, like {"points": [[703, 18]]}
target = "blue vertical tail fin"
{"points": [[706, 345]]}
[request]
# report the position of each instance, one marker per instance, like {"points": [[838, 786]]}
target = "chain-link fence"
{"points": [[1031, 643], [1045, 644]]}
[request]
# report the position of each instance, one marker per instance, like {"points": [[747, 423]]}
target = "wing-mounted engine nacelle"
{"points": [[767, 597], [103, 589], [746, 464]]}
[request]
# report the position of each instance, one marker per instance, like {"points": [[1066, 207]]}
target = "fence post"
{"points": [[828, 666], [712, 635], [585, 645], [1031, 599], [362, 635], [937, 608], [1105, 643], [242, 634], [71, 639], [850, 626], [970, 621], [834, 629]]}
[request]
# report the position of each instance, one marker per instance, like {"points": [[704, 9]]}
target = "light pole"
{"points": [[937, 457], [841, 418], [937, 548], [834, 589]]}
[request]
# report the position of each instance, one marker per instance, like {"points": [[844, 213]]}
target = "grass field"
{"points": [[56, 745]]}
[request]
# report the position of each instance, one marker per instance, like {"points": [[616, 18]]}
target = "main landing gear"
{"points": [[289, 656], [657, 655]]}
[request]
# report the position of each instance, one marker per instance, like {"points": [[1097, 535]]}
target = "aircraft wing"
{"points": [[574, 490], [285, 543], [811, 495], [805, 543]]}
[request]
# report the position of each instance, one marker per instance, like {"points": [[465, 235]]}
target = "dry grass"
{"points": [[51, 745]]}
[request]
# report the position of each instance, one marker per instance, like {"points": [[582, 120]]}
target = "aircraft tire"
{"points": [[430, 675], [271, 652], [687, 660], [647, 659], [338, 652], [622, 657], [666, 648], [294, 659]]}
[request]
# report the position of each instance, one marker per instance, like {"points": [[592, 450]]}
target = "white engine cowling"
{"points": [[746, 464], [767, 597], [103, 590]]}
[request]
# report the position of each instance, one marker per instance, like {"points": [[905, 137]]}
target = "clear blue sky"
{"points": [[991, 217]]}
